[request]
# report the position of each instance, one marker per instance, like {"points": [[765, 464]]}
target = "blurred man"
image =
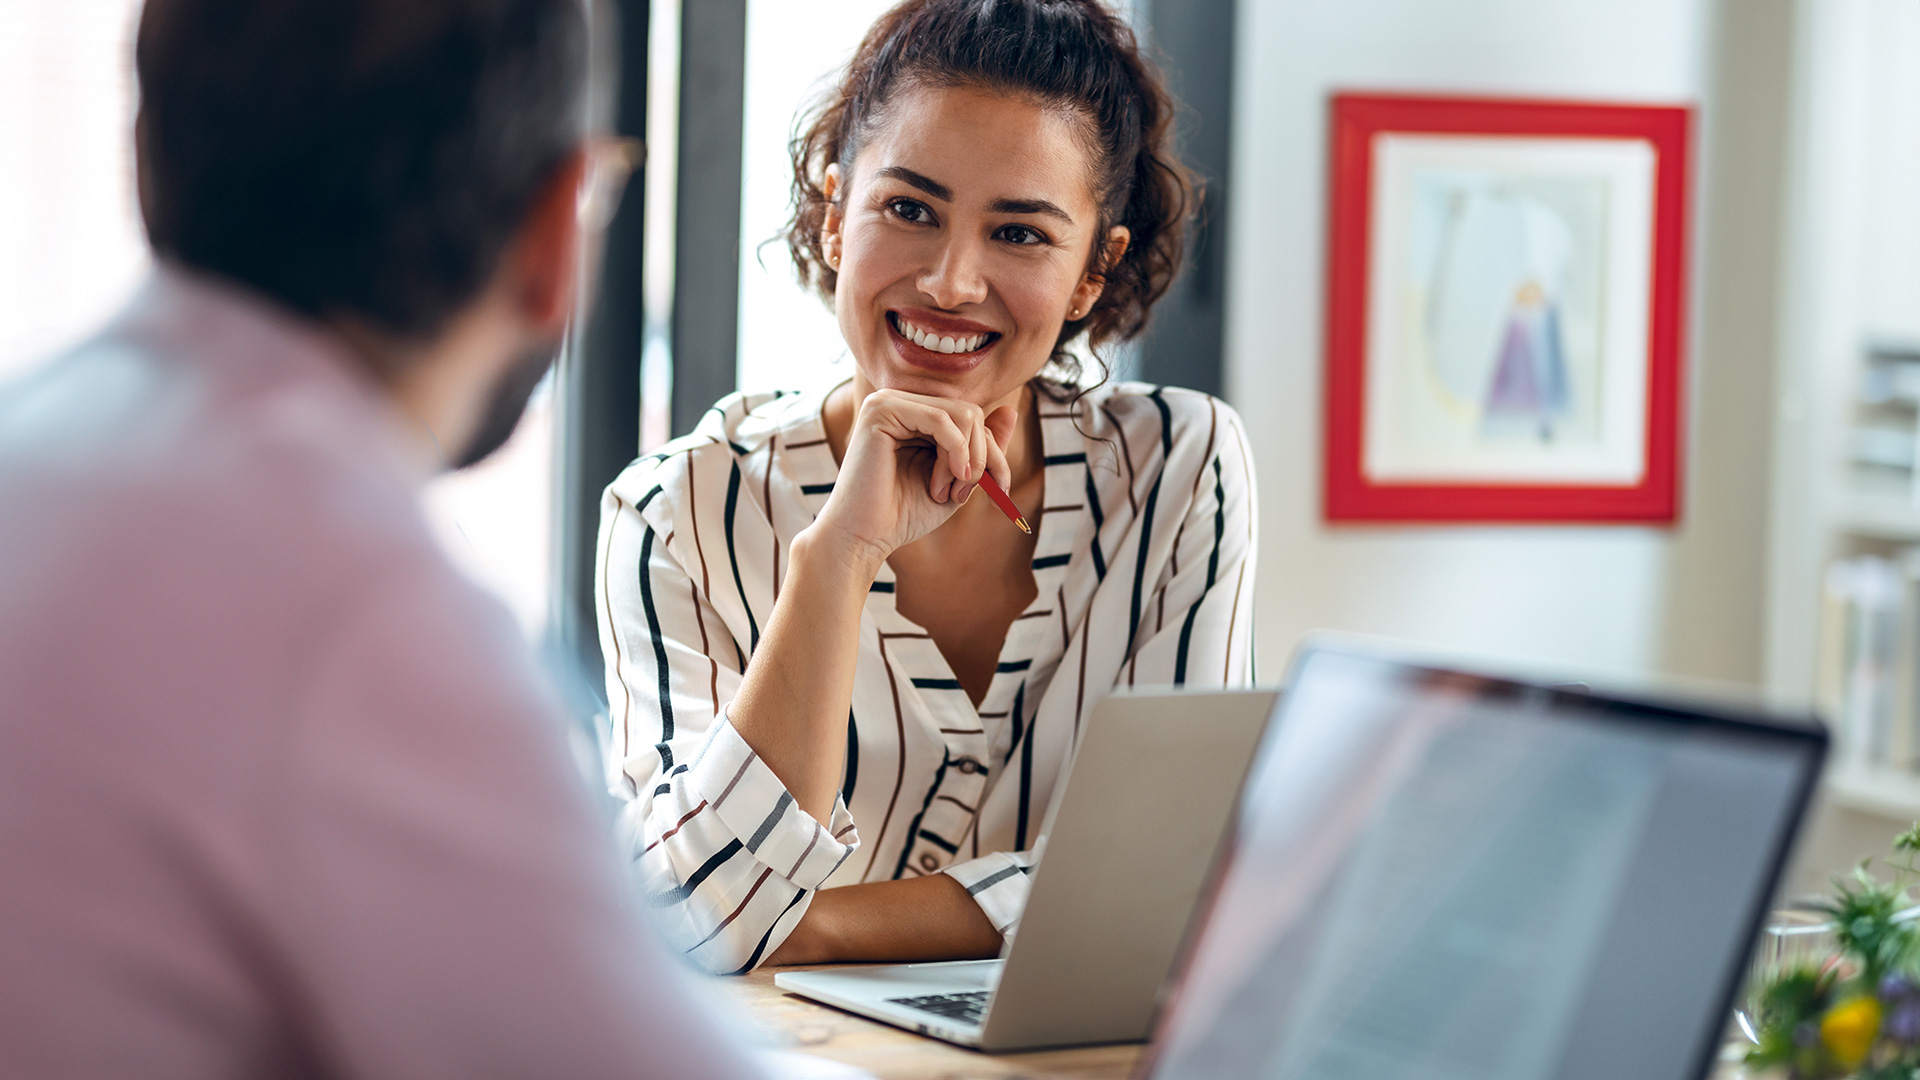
{"points": [[280, 794]]}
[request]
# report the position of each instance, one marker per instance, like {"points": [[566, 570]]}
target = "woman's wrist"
{"points": [[812, 940], [825, 546]]}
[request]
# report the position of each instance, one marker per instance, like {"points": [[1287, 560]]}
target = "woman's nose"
{"points": [[957, 275]]}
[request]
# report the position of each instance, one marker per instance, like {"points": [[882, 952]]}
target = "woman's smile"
{"points": [[938, 342]]}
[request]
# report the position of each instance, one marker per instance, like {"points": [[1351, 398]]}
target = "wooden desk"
{"points": [[893, 1054]]}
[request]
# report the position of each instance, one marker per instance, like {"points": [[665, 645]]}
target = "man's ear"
{"points": [[544, 259]]}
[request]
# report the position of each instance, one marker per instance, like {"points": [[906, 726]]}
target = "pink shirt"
{"points": [[280, 792]]}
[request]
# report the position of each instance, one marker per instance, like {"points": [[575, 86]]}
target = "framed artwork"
{"points": [[1505, 309]]}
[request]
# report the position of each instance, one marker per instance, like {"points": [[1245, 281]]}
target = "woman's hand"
{"points": [[911, 461]]}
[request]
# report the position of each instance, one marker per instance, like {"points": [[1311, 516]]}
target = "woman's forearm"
{"points": [[792, 704], [925, 918]]}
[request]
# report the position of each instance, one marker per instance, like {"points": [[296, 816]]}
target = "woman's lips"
{"points": [[922, 357]]}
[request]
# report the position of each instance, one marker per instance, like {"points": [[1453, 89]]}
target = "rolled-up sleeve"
{"points": [[736, 856], [999, 884], [726, 857]]}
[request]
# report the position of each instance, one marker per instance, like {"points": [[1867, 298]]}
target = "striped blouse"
{"points": [[1144, 562]]}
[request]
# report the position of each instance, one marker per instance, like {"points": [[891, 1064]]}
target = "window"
{"points": [[71, 245], [495, 520], [72, 251], [788, 338]]}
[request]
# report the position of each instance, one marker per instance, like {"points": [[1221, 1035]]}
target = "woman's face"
{"points": [[963, 234]]}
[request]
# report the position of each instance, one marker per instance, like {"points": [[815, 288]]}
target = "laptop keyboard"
{"points": [[967, 1005]]}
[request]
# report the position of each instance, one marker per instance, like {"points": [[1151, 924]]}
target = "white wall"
{"points": [[1589, 596]]}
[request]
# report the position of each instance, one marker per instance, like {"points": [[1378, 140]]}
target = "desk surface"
{"points": [[893, 1054]]}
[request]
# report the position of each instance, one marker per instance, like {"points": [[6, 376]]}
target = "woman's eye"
{"points": [[1022, 234], [909, 210]]}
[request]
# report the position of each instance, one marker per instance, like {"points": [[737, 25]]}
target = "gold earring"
{"points": [[1074, 314]]}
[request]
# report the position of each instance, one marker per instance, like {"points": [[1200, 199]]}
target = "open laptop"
{"points": [[1439, 875], [1128, 847]]}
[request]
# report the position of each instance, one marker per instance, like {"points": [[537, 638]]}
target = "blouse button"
{"points": [[968, 765], [928, 862]]}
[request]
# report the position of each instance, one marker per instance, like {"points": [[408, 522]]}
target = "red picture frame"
{"points": [[1355, 495]]}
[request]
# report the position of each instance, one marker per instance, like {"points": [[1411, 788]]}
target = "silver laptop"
{"points": [[1436, 875], [1124, 865]]}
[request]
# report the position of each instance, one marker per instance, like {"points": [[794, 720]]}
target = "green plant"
{"points": [[1857, 1013]]}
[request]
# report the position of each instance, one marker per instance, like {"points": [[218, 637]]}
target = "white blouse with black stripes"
{"points": [[1144, 562]]}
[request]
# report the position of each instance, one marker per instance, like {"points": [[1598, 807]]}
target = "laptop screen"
{"points": [[1437, 876]]}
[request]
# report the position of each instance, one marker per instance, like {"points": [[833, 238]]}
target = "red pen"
{"points": [[999, 497]]}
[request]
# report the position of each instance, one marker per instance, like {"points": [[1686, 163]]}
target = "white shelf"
{"points": [[1878, 790], [1885, 519]]}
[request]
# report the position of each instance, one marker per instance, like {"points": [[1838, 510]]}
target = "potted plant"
{"points": [[1856, 1012]]}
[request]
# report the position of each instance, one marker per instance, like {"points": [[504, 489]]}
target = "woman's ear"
{"points": [[1087, 293], [830, 224]]}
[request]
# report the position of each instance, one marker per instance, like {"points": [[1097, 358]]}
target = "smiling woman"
{"points": [[844, 690], [973, 201]]}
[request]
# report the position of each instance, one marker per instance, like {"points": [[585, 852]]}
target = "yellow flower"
{"points": [[1848, 1029]]}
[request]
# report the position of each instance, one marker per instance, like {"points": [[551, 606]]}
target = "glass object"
{"points": [[1793, 937]]}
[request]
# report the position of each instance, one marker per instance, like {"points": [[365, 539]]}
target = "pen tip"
{"points": [[1024, 527]]}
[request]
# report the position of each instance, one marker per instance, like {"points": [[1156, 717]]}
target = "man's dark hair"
{"points": [[365, 159]]}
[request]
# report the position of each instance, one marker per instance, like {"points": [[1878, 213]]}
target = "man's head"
{"points": [[403, 171]]}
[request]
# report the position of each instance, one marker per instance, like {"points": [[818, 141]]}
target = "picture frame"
{"points": [[1505, 311]]}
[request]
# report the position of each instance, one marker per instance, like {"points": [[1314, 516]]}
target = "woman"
{"points": [[844, 689]]}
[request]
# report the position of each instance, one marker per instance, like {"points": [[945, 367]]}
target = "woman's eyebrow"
{"points": [[908, 176], [1030, 206], [945, 194]]}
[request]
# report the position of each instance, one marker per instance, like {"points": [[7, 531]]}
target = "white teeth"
{"points": [[933, 342]]}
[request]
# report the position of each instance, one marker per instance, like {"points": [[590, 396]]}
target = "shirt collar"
{"points": [[235, 335]]}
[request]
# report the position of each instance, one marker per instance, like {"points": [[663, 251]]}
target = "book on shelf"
{"points": [[1883, 437], [1869, 678]]}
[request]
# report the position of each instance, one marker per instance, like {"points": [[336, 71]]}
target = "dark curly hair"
{"points": [[1071, 54]]}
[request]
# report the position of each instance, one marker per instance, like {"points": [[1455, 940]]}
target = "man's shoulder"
{"points": [[181, 581], [154, 481]]}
